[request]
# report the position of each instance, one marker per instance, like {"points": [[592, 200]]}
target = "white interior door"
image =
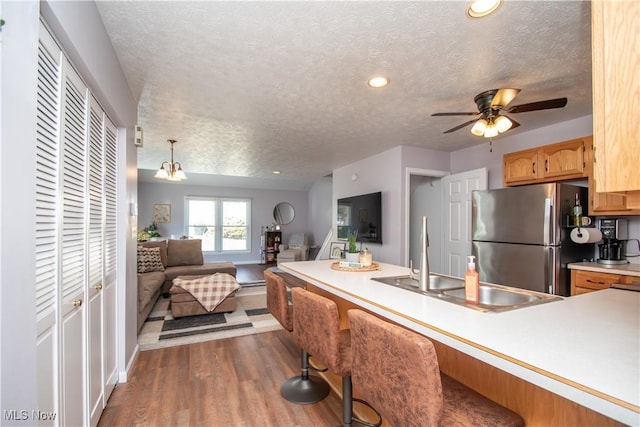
{"points": [[456, 218]]}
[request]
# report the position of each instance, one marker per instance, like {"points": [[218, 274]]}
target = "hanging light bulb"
{"points": [[479, 127], [491, 130], [503, 124]]}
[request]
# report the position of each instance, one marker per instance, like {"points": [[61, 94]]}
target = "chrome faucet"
{"points": [[422, 275]]}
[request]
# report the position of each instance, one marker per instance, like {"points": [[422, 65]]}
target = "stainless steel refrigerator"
{"points": [[521, 236]]}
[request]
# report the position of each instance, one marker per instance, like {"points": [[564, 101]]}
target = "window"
{"points": [[222, 224]]}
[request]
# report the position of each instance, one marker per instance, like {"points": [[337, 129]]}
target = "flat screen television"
{"points": [[363, 214]]}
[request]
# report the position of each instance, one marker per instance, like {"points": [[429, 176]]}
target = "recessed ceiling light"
{"points": [[480, 8], [276, 172], [379, 81]]}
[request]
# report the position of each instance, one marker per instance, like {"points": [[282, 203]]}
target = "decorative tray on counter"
{"points": [[336, 266]]}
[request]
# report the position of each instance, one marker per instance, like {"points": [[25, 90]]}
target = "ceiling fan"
{"points": [[492, 104]]}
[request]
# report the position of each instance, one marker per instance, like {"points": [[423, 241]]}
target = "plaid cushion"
{"points": [[149, 260], [210, 290]]}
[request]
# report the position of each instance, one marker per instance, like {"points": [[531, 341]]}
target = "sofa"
{"points": [[159, 262]]}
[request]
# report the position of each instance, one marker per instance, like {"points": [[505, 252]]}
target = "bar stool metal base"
{"points": [[304, 389]]}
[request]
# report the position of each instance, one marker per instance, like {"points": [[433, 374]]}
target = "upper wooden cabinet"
{"points": [[616, 91], [565, 160]]}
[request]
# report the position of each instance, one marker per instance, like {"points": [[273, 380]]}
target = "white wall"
{"points": [[426, 199], [385, 172], [18, 62], [262, 204], [320, 213], [380, 172]]}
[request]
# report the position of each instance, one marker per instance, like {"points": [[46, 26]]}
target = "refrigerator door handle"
{"points": [[548, 218], [551, 271]]}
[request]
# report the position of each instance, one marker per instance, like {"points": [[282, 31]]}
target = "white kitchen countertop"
{"points": [[630, 269], [585, 348]]}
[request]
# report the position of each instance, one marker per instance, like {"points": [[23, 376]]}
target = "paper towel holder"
{"points": [[587, 222]]}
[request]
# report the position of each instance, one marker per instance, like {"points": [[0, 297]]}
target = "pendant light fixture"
{"points": [[171, 171]]}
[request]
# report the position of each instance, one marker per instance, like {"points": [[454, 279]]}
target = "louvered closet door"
{"points": [[110, 375], [76, 237], [47, 227], [94, 289], [74, 247]]}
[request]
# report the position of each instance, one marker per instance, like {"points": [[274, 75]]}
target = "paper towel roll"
{"points": [[586, 235]]}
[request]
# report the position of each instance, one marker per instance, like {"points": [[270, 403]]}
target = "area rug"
{"points": [[251, 316]]}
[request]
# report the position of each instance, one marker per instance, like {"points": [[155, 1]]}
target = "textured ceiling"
{"points": [[249, 87]]}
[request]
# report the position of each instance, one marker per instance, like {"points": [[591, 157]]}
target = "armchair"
{"points": [[296, 250]]}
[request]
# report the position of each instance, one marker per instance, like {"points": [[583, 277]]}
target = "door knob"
{"points": [[76, 302], [98, 287]]}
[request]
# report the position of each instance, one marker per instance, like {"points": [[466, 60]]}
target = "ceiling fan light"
{"points": [[491, 131], [480, 8], [479, 127], [503, 124]]}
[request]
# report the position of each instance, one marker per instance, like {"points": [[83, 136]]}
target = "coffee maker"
{"points": [[614, 235]]}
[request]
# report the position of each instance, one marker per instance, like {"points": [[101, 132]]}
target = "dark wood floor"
{"points": [[251, 272], [230, 382], [247, 273]]}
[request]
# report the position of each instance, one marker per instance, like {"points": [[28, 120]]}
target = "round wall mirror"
{"points": [[283, 213]]}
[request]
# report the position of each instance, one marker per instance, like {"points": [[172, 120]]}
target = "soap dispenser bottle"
{"points": [[471, 282]]}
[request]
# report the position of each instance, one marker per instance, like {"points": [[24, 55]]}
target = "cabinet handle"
{"points": [[546, 165], [595, 282], [76, 302], [98, 287], [533, 167]]}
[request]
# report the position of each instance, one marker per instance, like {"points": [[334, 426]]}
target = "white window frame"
{"points": [[219, 221]]}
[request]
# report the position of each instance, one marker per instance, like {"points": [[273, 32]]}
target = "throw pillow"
{"points": [[162, 244], [149, 260], [185, 252]]}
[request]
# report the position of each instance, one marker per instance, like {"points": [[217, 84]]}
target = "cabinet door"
{"points": [[520, 167], [607, 202], [564, 160], [615, 60]]}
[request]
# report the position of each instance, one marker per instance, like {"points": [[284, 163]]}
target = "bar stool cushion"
{"points": [[316, 328], [277, 301], [397, 371]]}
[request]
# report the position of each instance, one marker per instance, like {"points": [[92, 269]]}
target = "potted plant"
{"points": [[152, 232], [352, 255]]}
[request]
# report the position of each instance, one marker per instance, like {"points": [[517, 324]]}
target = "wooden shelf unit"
{"points": [[270, 246]]}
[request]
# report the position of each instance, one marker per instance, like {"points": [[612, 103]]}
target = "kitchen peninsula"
{"points": [[560, 363]]}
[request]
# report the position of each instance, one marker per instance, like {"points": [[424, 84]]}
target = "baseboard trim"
{"points": [[123, 376]]}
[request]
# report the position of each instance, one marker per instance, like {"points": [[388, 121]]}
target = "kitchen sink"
{"points": [[436, 282], [493, 298]]}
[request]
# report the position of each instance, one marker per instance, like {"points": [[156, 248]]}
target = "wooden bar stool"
{"points": [[397, 371], [316, 327], [303, 388]]}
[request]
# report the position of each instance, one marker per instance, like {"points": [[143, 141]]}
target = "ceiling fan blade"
{"points": [[460, 126], [540, 105], [455, 114], [503, 97]]}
